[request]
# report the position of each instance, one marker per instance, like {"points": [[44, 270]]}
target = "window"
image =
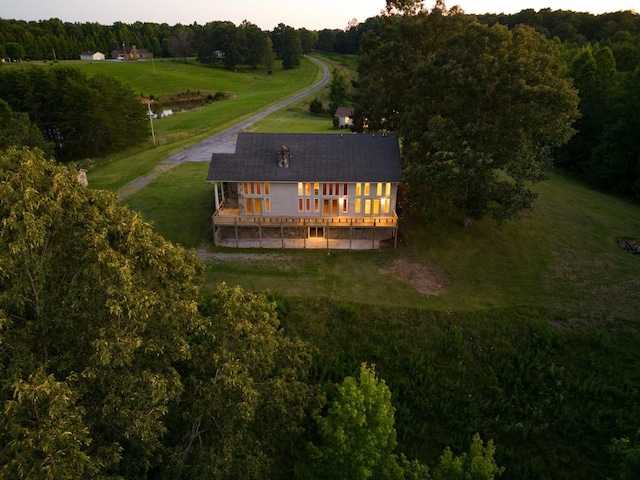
{"points": [[345, 190], [387, 190], [385, 205], [379, 189], [325, 206], [307, 189], [344, 205], [249, 205], [299, 204], [366, 189], [357, 205], [257, 206], [258, 188], [334, 206], [358, 189], [267, 203], [376, 206], [308, 205], [300, 189], [266, 188], [316, 189], [316, 205], [367, 206]]}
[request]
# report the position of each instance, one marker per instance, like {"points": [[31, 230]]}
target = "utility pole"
{"points": [[153, 135]]}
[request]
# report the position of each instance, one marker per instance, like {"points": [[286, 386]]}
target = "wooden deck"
{"points": [[230, 217]]}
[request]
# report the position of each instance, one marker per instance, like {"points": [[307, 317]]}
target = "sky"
{"points": [[313, 15]]}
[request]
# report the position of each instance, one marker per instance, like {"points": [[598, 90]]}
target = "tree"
{"points": [[339, 90], [15, 51], [286, 41], [181, 42], [478, 464], [358, 434], [16, 129], [258, 44], [480, 121], [82, 117], [245, 393], [95, 309]]}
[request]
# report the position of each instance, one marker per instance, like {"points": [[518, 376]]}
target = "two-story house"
{"points": [[295, 188]]}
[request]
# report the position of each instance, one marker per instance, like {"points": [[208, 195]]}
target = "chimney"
{"points": [[284, 156]]}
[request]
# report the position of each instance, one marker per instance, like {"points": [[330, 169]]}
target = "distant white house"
{"points": [[344, 116], [92, 56]]}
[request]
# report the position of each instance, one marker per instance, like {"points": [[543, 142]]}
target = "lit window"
{"points": [[379, 189], [307, 189], [267, 204], [249, 204], [334, 206], [345, 190], [324, 189], [258, 189], [325, 206], [358, 189], [316, 189], [387, 190], [316, 205], [344, 205], [308, 205], [257, 205], [367, 206], [299, 204], [376, 206], [366, 189], [266, 188], [300, 189], [357, 205], [246, 188], [385, 205]]}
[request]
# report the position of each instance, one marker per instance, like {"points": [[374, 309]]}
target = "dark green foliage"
{"points": [[82, 117], [339, 90], [551, 392], [16, 129], [315, 106], [287, 44]]}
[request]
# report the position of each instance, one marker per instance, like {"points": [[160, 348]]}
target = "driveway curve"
{"points": [[222, 142]]}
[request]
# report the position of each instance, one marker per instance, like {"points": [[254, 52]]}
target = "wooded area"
{"points": [[116, 362]]}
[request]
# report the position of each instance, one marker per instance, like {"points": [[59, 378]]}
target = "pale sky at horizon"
{"points": [[315, 15]]}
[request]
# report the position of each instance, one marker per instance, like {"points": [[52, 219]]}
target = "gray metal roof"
{"points": [[349, 157]]}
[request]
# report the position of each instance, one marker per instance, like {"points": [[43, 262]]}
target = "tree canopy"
{"points": [[82, 117], [478, 109]]}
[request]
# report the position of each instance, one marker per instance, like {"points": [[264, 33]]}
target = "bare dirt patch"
{"points": [[426, 279]]}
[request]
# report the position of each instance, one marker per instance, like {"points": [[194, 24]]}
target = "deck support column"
{"points": [[260, 231], [235, 226], [282, 234], [373, 240], [327, 235]]}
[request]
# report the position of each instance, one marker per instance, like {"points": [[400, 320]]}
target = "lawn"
{"points": [[563, 255]]}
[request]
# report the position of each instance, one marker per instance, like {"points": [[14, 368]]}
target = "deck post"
{"points": [[327, 235], [235, 225], [304, 233], [373, 240], [260, 231], [350, 233], [282, 234]]}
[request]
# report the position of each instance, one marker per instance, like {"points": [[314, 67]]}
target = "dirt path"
{"points": [[222, 142]]}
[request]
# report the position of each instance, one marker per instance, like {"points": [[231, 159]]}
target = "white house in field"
{"points": [[295, 187], [92, 56], [344, 116]]}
